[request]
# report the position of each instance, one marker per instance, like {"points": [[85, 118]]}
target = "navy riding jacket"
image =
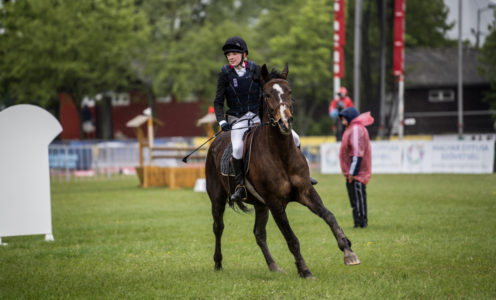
{"points": [[243, 94]]}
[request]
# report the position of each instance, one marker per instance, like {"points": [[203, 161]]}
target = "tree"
{"points": [[185, 54], [77, 47], [425, 26], [487, 64], [300, 33]]}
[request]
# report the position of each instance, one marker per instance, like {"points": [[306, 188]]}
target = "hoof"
{"points": [[306, 275], [275, 268], [218, 268], [350, 258]]}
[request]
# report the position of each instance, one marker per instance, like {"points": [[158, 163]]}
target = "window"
{"points": [[120, 99], [441, 95], [166, 99]]}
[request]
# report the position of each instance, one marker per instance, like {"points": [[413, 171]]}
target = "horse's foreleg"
{"points": [[261, 218], [314, 203], [282, 222], [218, 208]]}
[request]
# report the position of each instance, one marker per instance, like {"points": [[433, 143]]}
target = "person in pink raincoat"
{"points": [[356, 161]]}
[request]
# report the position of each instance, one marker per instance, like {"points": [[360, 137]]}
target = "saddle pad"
{"points": [[226, 168]]}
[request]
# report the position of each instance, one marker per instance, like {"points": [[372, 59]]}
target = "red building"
{"points": [[112, 113]]}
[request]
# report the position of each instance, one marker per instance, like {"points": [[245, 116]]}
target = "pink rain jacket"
{"points": [[356, 142]]}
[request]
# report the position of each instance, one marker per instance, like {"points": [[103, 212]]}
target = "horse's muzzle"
{"points": [[285, 127]]}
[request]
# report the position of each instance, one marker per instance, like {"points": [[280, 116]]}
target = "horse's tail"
{"points": [[239, 204]]}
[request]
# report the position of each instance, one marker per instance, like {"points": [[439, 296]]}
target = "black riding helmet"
{"points": [[235, 44]]}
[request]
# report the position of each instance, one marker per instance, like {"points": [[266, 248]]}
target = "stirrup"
{"points": [[239, 189]]}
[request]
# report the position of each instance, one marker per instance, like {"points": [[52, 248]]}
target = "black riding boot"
{"points": [[313, 181], [240, 192]]}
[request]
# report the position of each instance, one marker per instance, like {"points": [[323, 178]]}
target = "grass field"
{"points": [[429, 237]]}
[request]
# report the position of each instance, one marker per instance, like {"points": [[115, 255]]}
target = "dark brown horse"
{"points": [[278, 174]]}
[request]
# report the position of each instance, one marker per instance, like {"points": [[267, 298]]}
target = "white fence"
{"points": [[476, 157], [92, 160], [107, 159], [86, 160]]}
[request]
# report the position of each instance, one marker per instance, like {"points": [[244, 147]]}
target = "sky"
{"points": [[469, 18]]}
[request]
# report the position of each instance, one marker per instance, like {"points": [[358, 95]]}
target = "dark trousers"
{"points": [[358, 200], [339, 130]]}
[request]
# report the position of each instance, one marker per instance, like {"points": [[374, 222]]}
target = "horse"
{"points": [[278, 174]]}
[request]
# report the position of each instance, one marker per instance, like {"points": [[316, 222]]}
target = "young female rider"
{"points": [[239, 84]]}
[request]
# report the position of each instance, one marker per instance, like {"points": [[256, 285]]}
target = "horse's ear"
{"points": [[264, 73], [285, 71]]}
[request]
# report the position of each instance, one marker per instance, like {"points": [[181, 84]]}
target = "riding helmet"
{"points": [[235, 44]]}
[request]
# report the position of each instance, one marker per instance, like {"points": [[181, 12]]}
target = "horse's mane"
{"points": [[274, 74]]}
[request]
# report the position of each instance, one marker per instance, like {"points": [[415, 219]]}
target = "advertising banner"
{"points": [[329, 158], [416, 157], [391, 157], [462, 157], [386, 157]]}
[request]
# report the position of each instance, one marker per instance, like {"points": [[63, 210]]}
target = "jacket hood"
{"points": [[349, 114], [352, 116], [365, 119]]}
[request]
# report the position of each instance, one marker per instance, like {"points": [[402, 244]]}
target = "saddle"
{"points": [[226, 168]]}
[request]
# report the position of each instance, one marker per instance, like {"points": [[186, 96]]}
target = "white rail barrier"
{"points": [[108, 159], [92, 160]]}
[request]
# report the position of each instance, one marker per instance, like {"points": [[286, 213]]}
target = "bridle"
{"points": [[272, 121]]}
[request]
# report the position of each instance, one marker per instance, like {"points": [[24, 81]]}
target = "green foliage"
{"points": [[429, 237], [186, 55], [173, 47], [77, 47], [426, 24], [487, 64], [193, 63], [300, 34]]}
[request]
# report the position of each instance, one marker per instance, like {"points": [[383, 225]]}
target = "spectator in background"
{"points": [[336, 106], [356, 161], [88, 122]]}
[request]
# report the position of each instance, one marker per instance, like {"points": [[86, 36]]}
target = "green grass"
{"points": [[429, 236]]}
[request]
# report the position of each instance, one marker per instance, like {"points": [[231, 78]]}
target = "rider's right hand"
{"points": [[225, 126]]}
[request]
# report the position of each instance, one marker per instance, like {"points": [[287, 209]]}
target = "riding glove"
{"points": [[225, 126]]}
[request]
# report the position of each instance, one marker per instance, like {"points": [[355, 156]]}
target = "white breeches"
{"points": [[247, 120]]}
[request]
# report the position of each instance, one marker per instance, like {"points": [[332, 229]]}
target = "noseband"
{"points": [[272, 121]]}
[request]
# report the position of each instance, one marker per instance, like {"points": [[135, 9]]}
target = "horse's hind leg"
{"points": [[294, 245], [314, 203], [261, 218], [218, 227], [218, 198]]}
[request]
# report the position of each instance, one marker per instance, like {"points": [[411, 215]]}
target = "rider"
{"points": [[239, 83]]}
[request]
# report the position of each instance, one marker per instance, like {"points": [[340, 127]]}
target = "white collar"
{"points": [[241, 71]]}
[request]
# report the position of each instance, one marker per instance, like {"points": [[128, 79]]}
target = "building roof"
{"points": [[439, 67]]}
